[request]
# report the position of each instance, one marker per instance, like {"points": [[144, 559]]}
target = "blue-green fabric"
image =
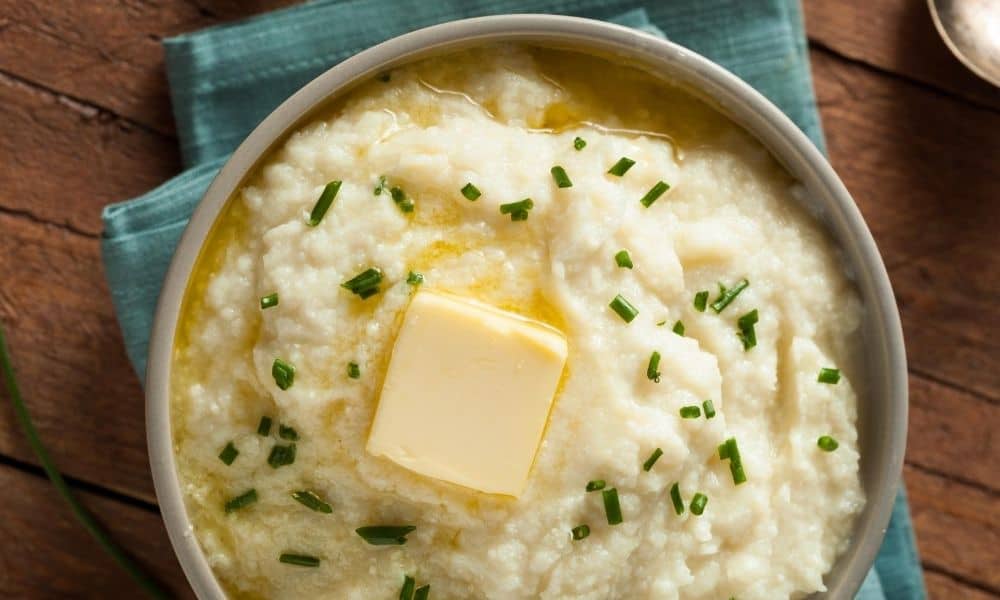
{"points": [[225, 80]]}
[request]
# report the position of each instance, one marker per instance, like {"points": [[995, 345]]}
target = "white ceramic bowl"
{"points": [[882, 410]]}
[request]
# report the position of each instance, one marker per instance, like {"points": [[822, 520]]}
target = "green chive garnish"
{"points": [[655, 456], [652, 369], [406, 593], [623, 260], [269, 300], [654, 192], [229, 454], [264, 427], [661, 323], [242, 501], [728, 295], [287, 433], [561, 178], [281, 455], [422, 593], [579, 143], [701, 301], [385, 535], [690, 412], [827, 443], [353, 370], [828, 375], [729, 450], [622, 166], [595, 484], [380, 185], [312, 501], [675, 498], [324, 202], [415, 278], [624, 309], [365, 284], [299, 560], [283, 373], [580, 532], [679, 328], [747, 334], [709, 409], [404, 202], [471, 192], [518, 211], [698, 503], [612, 509]]}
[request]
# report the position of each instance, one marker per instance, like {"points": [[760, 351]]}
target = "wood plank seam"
{"points": [[970, 583], [916, 372], [25, 214], [953, 478]]}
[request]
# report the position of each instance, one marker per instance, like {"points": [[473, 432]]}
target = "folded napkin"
{"points": [[226, 79]]}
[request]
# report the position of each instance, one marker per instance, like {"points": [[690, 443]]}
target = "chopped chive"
{"points": [[269, 300], [380, 185], [729, 450], [415, 278], [518, 211], [698, 502], [661, 323], [561, 178], [406, 593], [624, 309], [612, 509], [471, 192], [622, 166], [701, 300], [283, 373], [229, 454], [623, 260], [287, 433], [580, 532], [242, 501], [353, 370], [385, 535], [579, 143], [264, 427], [652, 369], [726, 296], [654, 193], [724, 450], [324, 202], [827, 443], [281, 455], [675, 498], [747, 334], [312, 501], [404, 202], [655, 456], [828, 375], [422, 593], [595, 484], [299, 560], [679, 328], [709, 409], [364, 284], [690, 412]]}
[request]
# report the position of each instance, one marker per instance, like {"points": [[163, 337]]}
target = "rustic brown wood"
{"points": [[86, 121], [47, 554], [897, 36]]}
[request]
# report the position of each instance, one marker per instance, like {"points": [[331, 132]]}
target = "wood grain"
{"points": [[896, 36], [944, 587], [47, 554]]}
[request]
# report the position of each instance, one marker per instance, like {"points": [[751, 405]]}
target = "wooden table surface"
{"points": [[85, 120]]}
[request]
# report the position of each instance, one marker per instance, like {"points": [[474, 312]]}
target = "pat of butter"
{"points": [[467, 393]]}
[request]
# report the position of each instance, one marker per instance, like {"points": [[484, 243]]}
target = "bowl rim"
{"points": [[747, 107]]}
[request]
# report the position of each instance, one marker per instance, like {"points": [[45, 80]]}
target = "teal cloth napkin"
{"points": [[226, 79]]}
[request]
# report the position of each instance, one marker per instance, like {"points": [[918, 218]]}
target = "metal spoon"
{"points": [[971, 29]]}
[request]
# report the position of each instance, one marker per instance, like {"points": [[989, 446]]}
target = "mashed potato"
{"points": [[501, 117]]}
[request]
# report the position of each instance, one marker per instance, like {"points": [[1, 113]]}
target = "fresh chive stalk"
{"points": [[595, 484], [242, 501], [701, 300], [471, 192], [283, 373], [287, 433], [726, 296], [655, 456], [406, 592], [324, 202], [264, 427], [679, 328], [623, 260], [415, 278], [380, 185], [729, 450], [827, 375], [299, 560], [624, 308], [422, 592], [654, 193], [698, 502], [580, 532], [229, 454], [579, 143], [312, 501], [675, 498], [690, 412], [561, 178], [827, 443], [365, 284], [653, 368], [747, 333], [518, 211], [709, 409], [612, 508], [661, 323], [385, 535], [403, 202], [622, 166], [269, 301], [281, 455], [353, 370]]}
